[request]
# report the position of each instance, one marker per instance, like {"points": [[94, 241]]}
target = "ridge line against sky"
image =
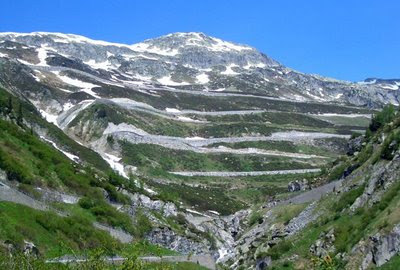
{"points": [[349, 40]]}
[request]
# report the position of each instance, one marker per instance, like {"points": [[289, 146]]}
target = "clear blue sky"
{"points": [[345, 39]]}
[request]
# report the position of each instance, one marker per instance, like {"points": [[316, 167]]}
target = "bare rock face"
{"points": [[30, 249], [263, 263], [354, 145], [385, 246], [298, 185], [324, 245], [168, 238]]}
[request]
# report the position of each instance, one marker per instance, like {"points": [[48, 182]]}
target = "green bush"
{"points": [[255, 218], [383, 117]]}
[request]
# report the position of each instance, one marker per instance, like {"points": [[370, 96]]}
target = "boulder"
{"points": [[324, 245], [298, 185], [263, 263], [354, 145]]}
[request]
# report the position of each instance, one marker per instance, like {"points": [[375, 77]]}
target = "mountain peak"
{"points": [[192, 39]]}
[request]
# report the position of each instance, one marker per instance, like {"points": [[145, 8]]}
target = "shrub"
{"points": [[383, 117], [255, 217]]}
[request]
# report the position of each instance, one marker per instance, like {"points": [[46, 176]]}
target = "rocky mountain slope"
{"points": [[352, 224], [196, 144]]}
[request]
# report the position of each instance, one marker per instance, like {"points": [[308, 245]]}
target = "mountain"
{"points": [[186, 141], [190, 61], [391, 84]]}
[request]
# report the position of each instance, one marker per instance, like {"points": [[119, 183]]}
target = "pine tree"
{"points": [[9, 106], [20, 117]]}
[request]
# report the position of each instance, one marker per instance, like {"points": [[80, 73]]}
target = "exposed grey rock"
{"points": [[324, 245], [140, 200], [386, 246], [169, 239], [30, 249], [264, 263], [299, 222], [298, 185], [354, 145]]}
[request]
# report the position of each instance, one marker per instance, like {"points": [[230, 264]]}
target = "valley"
{"points": [[188, 142]]}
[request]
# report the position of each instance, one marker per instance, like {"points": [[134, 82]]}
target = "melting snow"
{"points": [[172, 110], [35, 77], [84, 86], [69, 155], [229, 70], [221, 45], [51, 118], [214, 212], [144, 47], [188, 119], [114, 164], [168, 81], [202, 78], [218, 90], [390, 87], [42, 55], [254, 65], [197, 213], [194, 138], [24, 62], [106, 65]]}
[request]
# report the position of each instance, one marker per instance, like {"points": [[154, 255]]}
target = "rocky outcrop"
{"points": [[383, 175], [298, 185], [324, 245], [143, 201], [263, 264], [354, 145], [384, 247], [30, 249], [169, 239]]}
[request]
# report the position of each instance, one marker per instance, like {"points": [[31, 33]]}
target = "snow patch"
{"points": [[188, 119], [229, 70], [69, 155], [202, 78], [114, 163], [51, 118], [224, 46], [166, 80], [148, 48], [42, 55], [172, 110], [84, 86], [194, 138], [106, 65], [197, 213]]}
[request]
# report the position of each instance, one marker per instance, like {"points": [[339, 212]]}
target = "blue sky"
{"points": [[344, 39]]}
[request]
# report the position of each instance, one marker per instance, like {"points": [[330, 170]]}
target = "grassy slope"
{"points": [[151, 158], [30, 162]]}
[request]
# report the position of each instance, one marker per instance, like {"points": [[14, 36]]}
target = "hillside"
{"points": [[213, 108], [195, 144], [355, 225]]}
